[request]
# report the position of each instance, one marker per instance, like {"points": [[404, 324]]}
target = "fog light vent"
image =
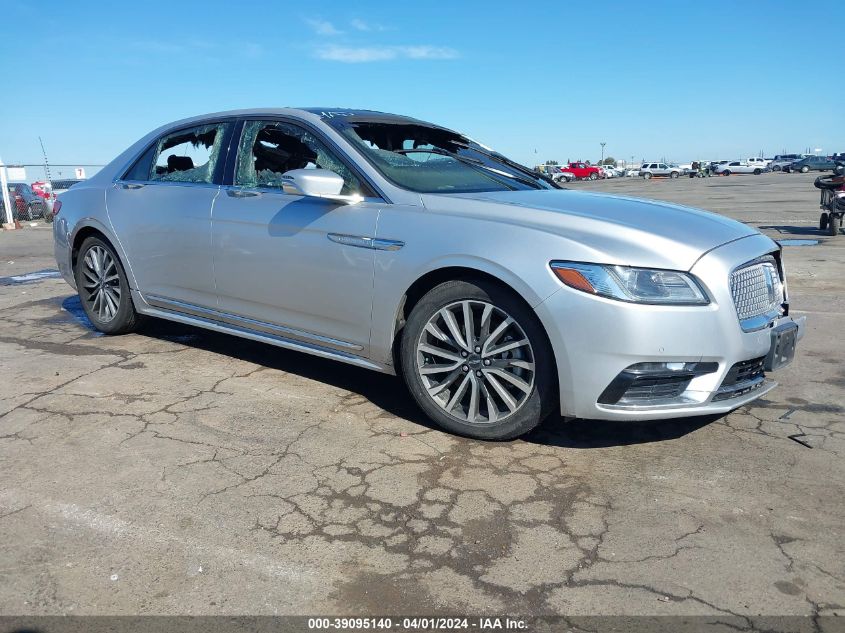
{"points": [[653, 383]]}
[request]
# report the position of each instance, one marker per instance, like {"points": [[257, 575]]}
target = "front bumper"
{"points": [[595, 339]]}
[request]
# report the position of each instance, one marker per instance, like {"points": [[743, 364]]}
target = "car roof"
{"points": [[311, 112]]}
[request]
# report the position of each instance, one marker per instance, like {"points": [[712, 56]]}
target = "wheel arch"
{"points": [[463, 271], [92, 227]]}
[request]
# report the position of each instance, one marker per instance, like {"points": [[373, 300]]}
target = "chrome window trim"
{"points": [[131, 162], [166, 183], [274, 191], [328, 142]]}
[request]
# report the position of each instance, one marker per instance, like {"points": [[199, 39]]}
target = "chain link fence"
{"points": [[30, 190]]}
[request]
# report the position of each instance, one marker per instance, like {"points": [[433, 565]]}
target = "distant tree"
{"points": [[609, 161], [551, 162]]}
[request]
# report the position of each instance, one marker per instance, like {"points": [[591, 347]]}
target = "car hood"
{"points": [[611, 229]]}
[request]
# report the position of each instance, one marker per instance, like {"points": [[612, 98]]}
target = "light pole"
{"points": [[602, 152]]}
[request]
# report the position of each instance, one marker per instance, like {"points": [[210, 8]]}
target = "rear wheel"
{"points": [[823, 221], [674, 174], [477, 361], [103, 288], [776, 168], [833, 224], [804, 169], [593, 176], [758, 171], [727, 172]]}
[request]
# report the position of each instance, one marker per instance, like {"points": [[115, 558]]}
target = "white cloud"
{"points": [[363, 54], [429, 52], [360, 25], [323, 27]]}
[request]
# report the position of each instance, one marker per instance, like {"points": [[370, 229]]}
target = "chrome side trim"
{"points": [[362, 241], [739, 389], [244, 323]]}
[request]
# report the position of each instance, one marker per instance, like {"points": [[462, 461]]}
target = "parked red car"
{"points": [[583, 170], [42, 189]]}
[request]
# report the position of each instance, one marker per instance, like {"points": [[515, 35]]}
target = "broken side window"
{"points": [[268, 149], [188, 155]]}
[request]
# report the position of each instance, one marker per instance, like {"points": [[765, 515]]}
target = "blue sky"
{"points": [[535, 80]]}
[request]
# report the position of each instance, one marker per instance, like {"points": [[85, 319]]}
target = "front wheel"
{"points": [[805, 169], [477, 361], [727, 172], [833, 223], [674, 174], [757, 172], [103, 288], [776, 168], [593, 176]]}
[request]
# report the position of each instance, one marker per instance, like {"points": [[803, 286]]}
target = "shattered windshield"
{"points": [[429, 159]]}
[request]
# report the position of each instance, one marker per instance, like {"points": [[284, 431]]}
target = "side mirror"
{"points": [[316, 183]]}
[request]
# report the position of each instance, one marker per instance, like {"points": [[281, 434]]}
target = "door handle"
{"points": [[240, 193], [130, 185]]}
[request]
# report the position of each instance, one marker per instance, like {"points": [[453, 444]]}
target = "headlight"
{"points": [[635, 285]]}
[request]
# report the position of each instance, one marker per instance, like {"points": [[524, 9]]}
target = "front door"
{"points": [[161, 210], [297, 263]]}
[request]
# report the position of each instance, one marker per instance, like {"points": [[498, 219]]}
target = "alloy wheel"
{"points": [[475, 362], [101, 283]]}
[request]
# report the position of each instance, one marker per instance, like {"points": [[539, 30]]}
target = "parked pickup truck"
{"points": [[583, 171]]}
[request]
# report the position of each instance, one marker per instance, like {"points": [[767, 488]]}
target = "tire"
{"points": [[27, 215], [673, 174], [776, 168], [757, 172], [647, 175], [804, 169], [823, 221], [115, 291], [833, 223], [727, 172], [593, 176], [494, 415]]}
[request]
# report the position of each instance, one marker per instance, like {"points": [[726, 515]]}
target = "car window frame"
{"points": [[219, 167], [228, 179]]}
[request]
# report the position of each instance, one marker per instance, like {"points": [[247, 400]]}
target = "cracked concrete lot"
{"points": [[177, 471]]}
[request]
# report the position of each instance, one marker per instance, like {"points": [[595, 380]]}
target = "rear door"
{"points": [[161, 212]]}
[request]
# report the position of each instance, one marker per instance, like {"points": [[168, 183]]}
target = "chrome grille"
{"points": [[756, 289]]}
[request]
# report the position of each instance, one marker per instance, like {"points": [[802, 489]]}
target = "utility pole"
{"points": [[46, 163], [602, 152]]}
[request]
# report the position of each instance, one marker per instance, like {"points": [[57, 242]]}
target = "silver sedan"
{"points": [[404, 247]]}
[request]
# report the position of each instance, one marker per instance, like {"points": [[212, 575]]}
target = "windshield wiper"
{"points": [[472, 162], [496, 156]]}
